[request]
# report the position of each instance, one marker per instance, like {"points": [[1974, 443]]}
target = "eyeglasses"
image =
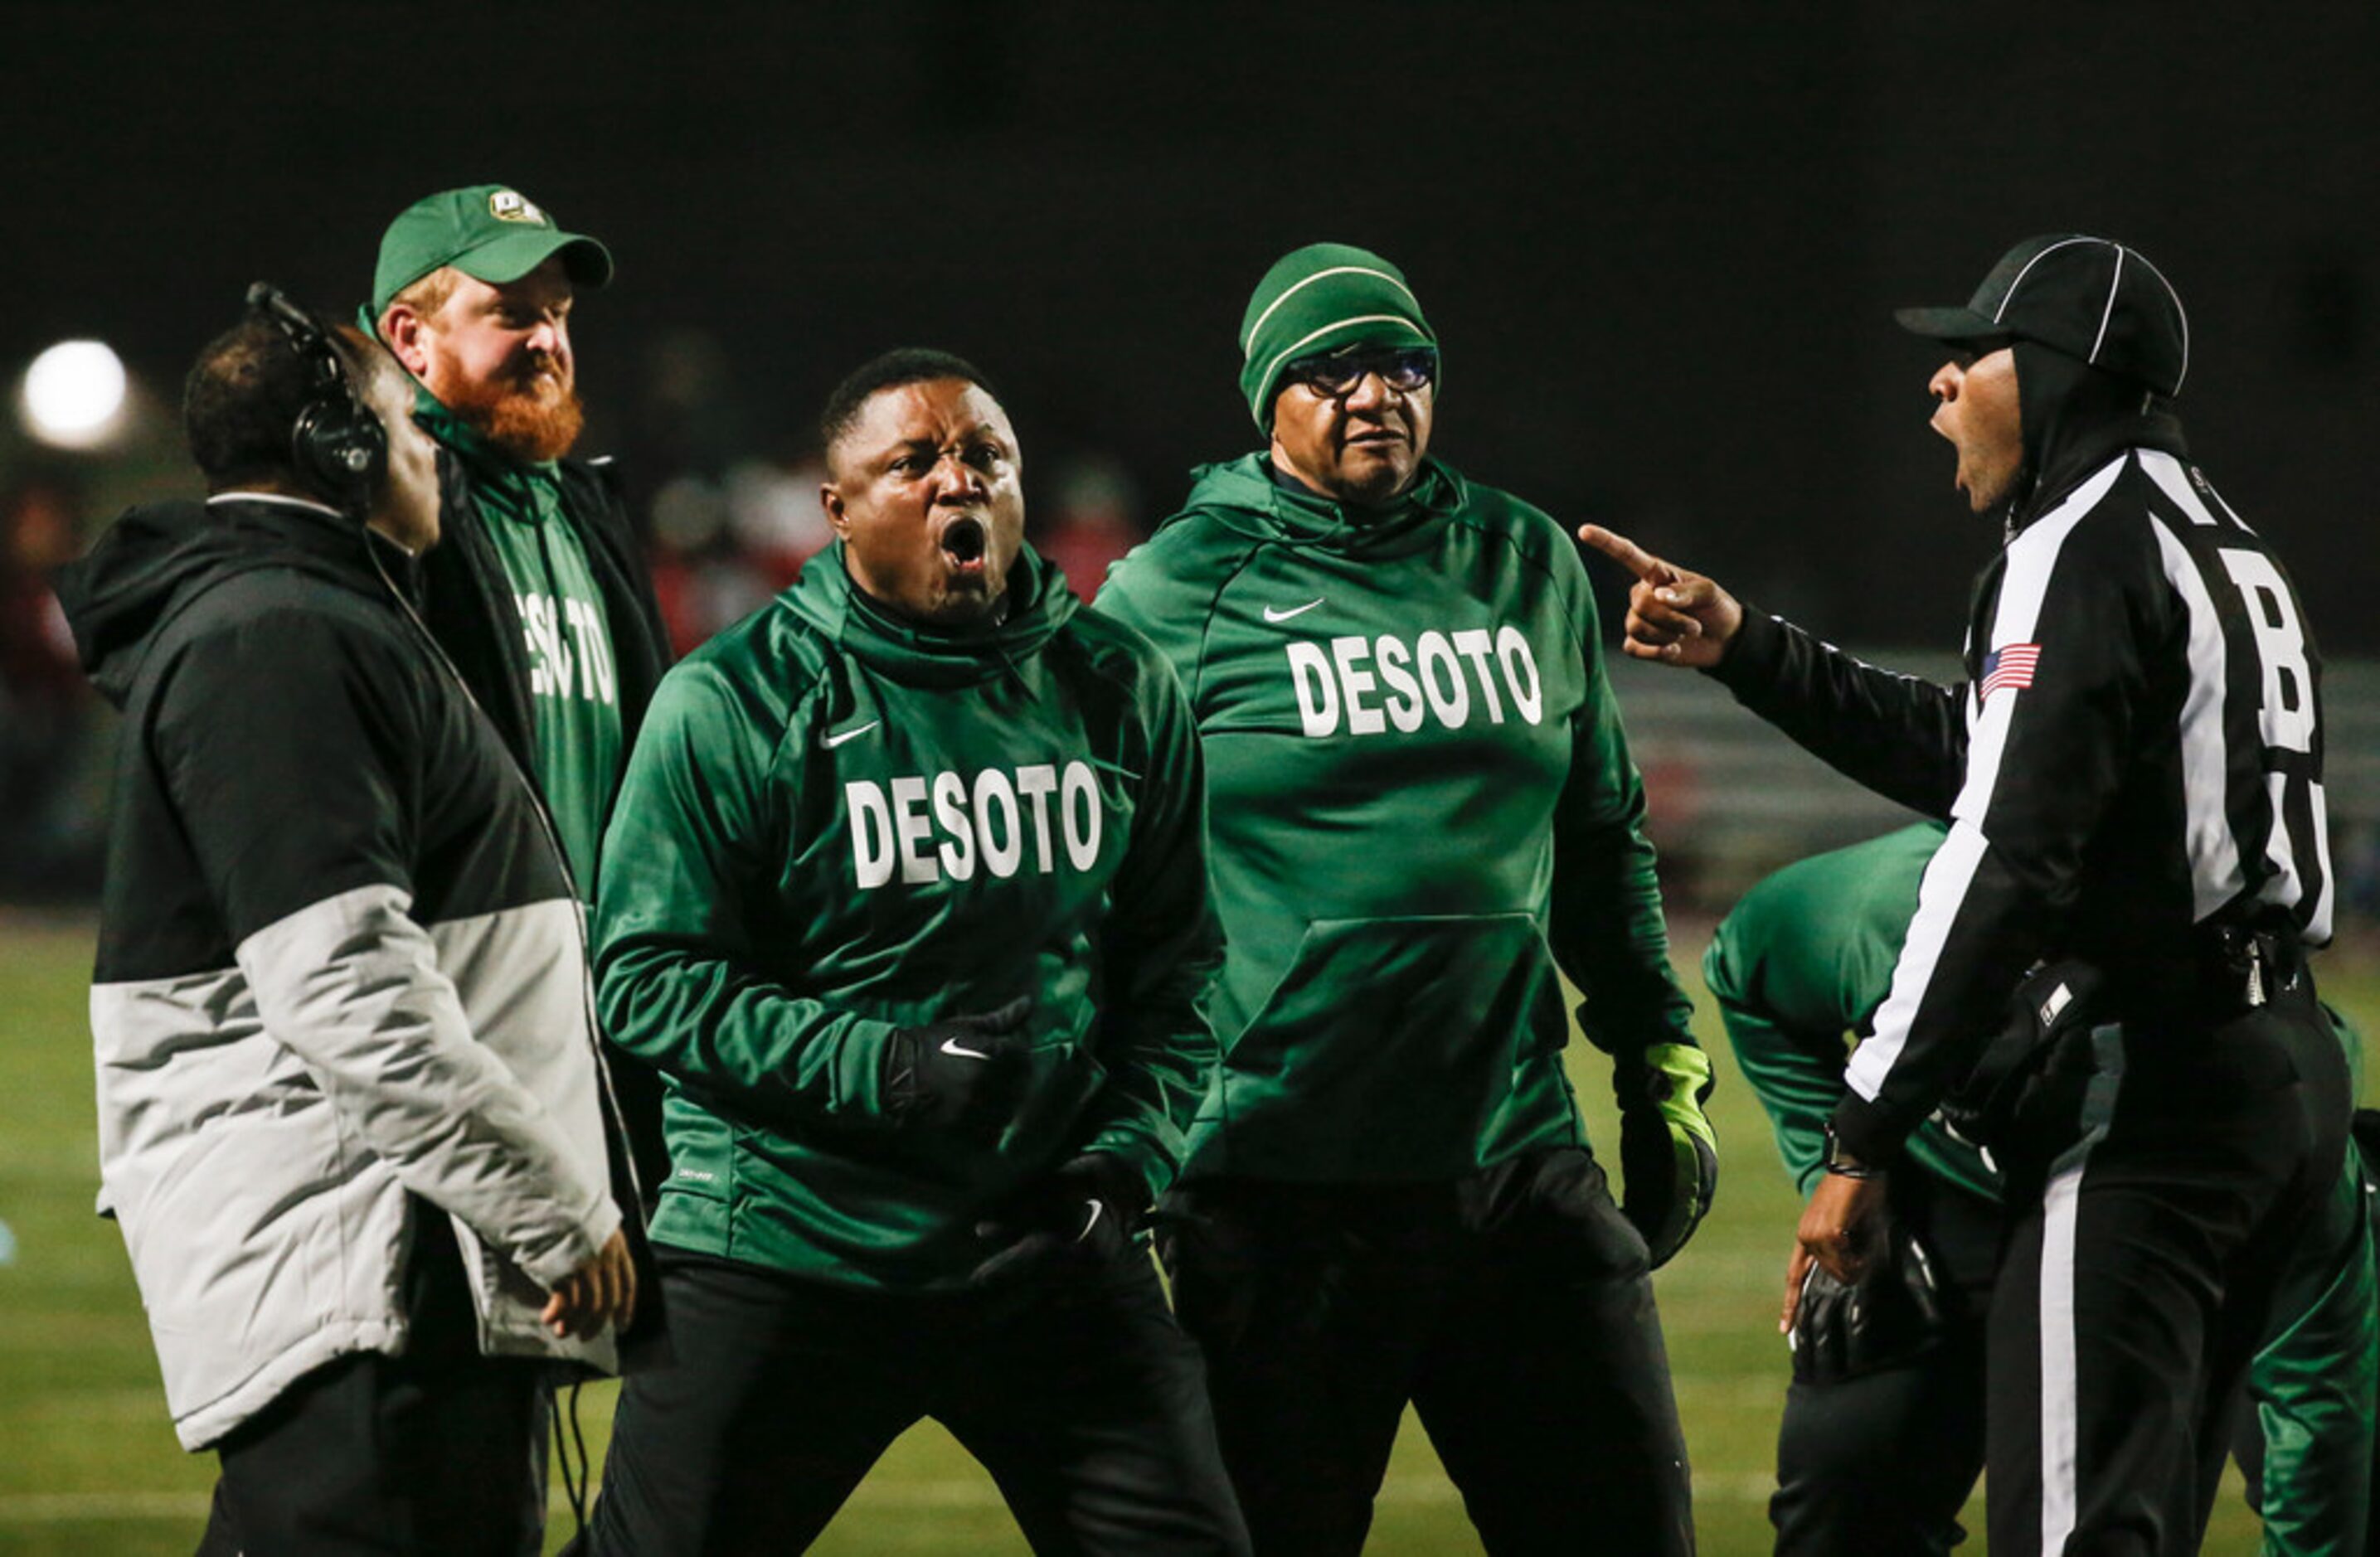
{"points": [[1336, 374]]}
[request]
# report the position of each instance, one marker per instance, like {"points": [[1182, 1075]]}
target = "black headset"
{"points": [[336, 443]]}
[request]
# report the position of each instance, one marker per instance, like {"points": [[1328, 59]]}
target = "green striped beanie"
{"points": [[1320, 298]]}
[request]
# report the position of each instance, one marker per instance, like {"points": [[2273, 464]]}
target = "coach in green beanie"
{"points": [[1313, 302], [1421, 815]]}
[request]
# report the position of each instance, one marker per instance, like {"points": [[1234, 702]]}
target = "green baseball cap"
{"points": [[490, 231]]}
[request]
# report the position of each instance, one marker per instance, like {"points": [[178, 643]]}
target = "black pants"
{"points": [[1082, 1399], [440, 1453], [1512, 1309], [1879, 1465], [2141, 1270]]}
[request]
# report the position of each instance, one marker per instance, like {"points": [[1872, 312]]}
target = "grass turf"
{"points": [[89, 1465]]}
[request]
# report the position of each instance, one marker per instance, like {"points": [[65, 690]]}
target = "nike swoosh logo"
{"points": [[952, 1046], [852, 735], [1272, 615], [1090, 1221]]}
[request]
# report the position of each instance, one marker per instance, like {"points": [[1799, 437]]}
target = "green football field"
{"points": [[89, 1465]]}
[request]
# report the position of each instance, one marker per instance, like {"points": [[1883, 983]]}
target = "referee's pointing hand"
{"points": [[1676, 617]]}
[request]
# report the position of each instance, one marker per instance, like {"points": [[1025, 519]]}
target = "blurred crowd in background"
{"points": [[52, 791], [729, 516], [1662, 245], [727, 495]]}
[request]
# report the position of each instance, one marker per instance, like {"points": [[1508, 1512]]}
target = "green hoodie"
{"points": [[1806, 956], [1421, 807], [834, 824]]}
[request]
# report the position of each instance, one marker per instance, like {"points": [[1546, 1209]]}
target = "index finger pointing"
{"points": [[1628, 554]]}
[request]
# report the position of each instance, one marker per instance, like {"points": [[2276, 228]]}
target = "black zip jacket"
{"points": [[471, 609]]}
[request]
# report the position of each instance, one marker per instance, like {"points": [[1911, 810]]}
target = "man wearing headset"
{"points": [[350, 1106]]}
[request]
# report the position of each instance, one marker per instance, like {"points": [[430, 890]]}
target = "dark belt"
{"points": [[2244, 968], [2231, 970]]}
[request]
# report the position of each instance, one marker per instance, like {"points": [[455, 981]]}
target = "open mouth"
{"points": [[962, 541]]}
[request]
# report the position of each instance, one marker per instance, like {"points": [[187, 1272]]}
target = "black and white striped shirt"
{"points": [[2137, 752]]}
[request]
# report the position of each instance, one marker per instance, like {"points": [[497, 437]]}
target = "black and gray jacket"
{"points": [[340, 973], [2135, 755]]}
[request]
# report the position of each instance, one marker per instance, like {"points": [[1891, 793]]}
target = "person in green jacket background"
{"points": [[1422, 814], [905, 898], [1883, 1435]]}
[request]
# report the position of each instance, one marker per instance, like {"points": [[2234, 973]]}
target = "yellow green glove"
{"points": [[1669, 1154]]}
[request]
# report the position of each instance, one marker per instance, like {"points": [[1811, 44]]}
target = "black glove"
{"points": [[963, 1073], [1669, 1154], [1891, 1316], [2049, 1009], [1079, 1219]]}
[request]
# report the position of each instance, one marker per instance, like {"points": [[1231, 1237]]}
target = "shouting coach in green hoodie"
{"points": [[905, 897], [1422, 808]]}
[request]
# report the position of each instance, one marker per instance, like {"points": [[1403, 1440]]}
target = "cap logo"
{"points": [[505, 205]]}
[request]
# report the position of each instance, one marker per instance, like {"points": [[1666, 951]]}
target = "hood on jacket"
{"points": [[157, 556], [2074, 418], [1038, 604], [1244, 496]]}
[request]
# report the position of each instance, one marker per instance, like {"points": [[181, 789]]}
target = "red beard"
{"points": [[523, 423]]}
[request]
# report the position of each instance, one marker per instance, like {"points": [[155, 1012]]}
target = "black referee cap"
{"points": [[2091, 298]]}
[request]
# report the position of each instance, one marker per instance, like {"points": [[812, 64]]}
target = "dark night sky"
{"points": [[1660, 243]]}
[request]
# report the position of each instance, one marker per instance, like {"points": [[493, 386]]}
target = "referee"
{"points": [[1883, 1433], [2132, 776]]}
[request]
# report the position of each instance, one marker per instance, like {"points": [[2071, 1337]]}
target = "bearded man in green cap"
{"points": [[537, 591], [1423, 814]]}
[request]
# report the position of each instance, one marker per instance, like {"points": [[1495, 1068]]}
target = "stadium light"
{"points": [[73, 394]]}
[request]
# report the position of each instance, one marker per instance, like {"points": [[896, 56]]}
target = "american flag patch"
{"points": [[2009, 666]]}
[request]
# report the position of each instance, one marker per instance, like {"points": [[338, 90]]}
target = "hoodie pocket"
{"points": [[1394, 1038]]}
